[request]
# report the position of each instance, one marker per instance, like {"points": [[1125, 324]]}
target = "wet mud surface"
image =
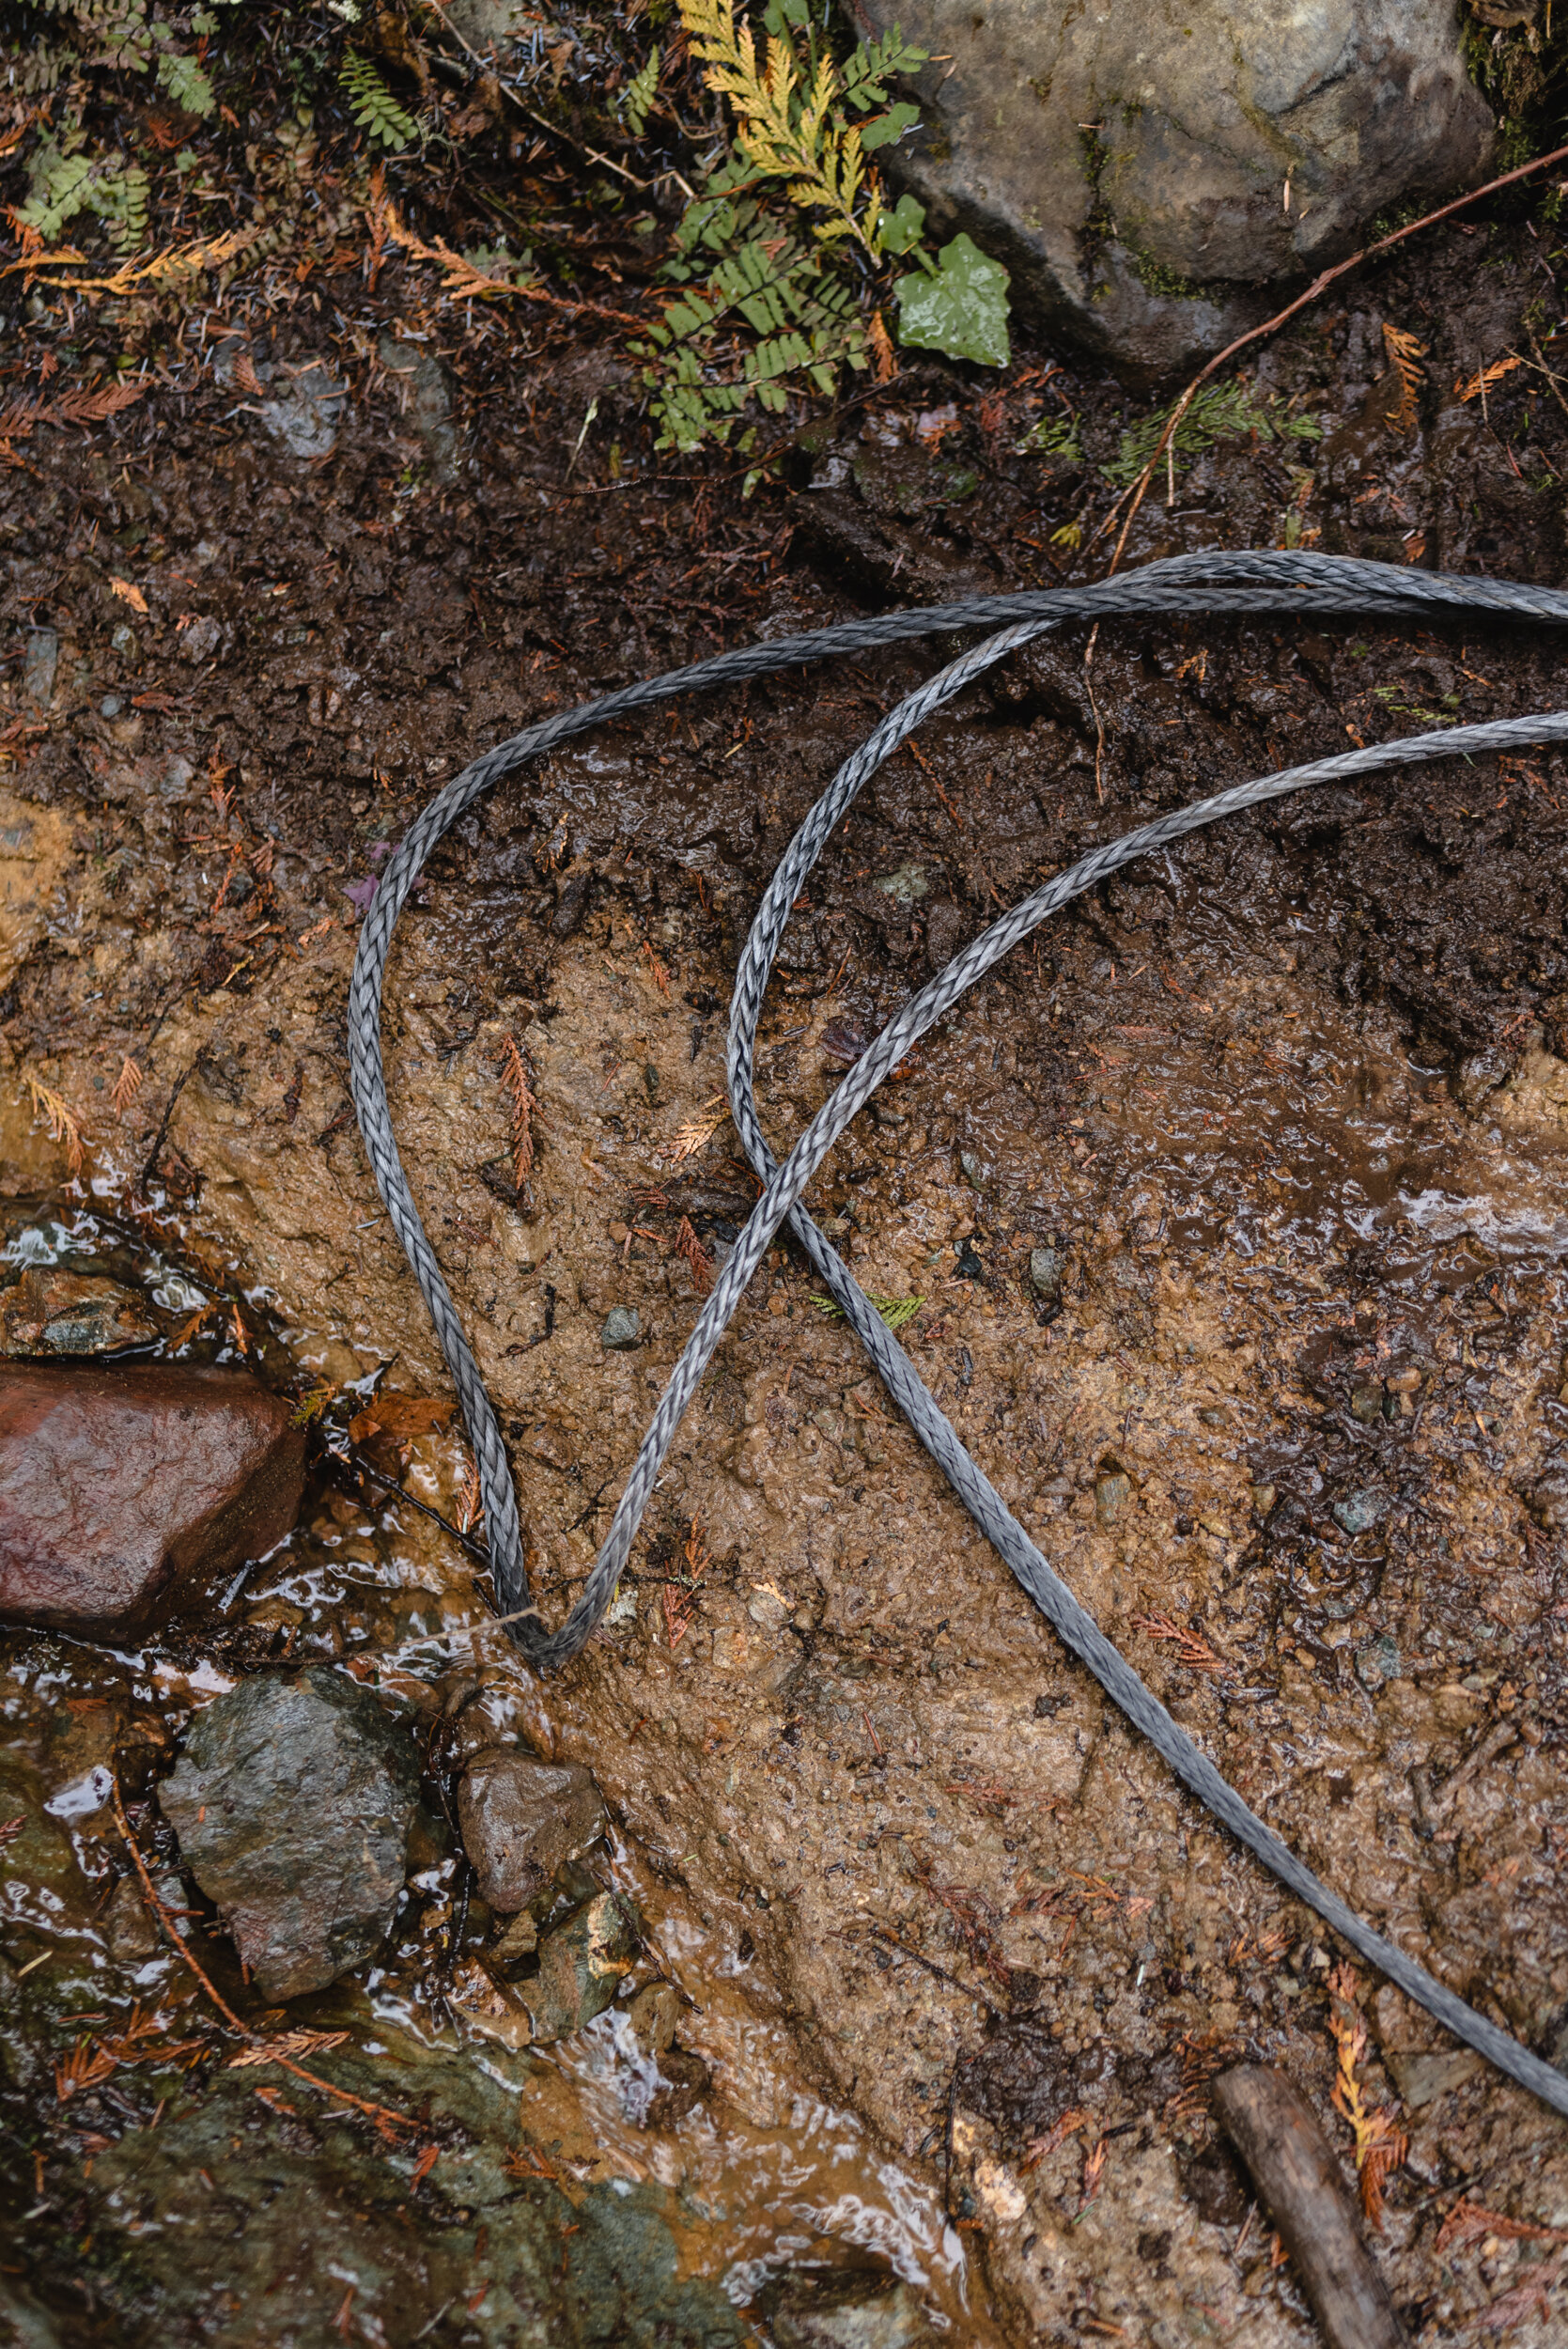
{"points": [[1237, 1204]]}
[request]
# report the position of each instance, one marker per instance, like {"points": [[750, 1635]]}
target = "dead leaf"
{"points": [[401, 1416], [128, 593], [1528, 2298]]}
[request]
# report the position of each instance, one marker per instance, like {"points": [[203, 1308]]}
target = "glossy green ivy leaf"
{"points": [[884, 129], [899, 229], [959, 307]]}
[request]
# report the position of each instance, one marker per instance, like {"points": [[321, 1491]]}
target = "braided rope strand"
{"points": [[1241, 583]]}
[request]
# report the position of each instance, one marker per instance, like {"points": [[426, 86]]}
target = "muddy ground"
{"points": [[1289, 1106]]}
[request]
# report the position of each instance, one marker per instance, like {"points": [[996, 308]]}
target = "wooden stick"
{"points": [[1302, 2187], [1270, 326], [176, 1939]]}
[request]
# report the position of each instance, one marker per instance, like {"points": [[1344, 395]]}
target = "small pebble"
{"points": [[1377, 1661], [40, 660], [1045, 1271], [1112, 1487], [1358, 1511], [622, 1329]]}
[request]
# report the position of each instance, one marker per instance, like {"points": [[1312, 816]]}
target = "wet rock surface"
{"points": [[867, 2310], [124, 1492], [521, 1819], [1141, 171], [583, 1963], [65, 1313], [293, 1800]]}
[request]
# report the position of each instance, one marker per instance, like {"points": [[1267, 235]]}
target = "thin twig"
{"points": [[181, 1948], [1554, 381], [892, 1942], [382, 2115], [354, 1460], [1270, 326], [592, 152], [1099, 722], [157, 1150]]}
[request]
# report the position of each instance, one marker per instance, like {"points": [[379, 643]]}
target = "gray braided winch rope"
{"points": [[1249, 583]]}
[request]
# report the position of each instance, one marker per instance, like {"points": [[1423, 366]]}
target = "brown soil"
{"points": [[1291, 1105]]}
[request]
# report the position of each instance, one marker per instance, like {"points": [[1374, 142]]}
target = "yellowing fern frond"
{"points": [[159, 273], [784, 132], [1380, 2147], [1404, 357], [49, 1105]]}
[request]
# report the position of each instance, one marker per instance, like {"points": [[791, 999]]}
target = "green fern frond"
{"points": [[373, 106], [186, 83], [1221, 411], [896, 1310], [66, 184], [44, 69], [639, 94], [58, 191], [868, 69]]}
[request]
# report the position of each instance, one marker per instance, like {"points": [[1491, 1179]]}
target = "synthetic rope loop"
{"points": [[1291, 583]]}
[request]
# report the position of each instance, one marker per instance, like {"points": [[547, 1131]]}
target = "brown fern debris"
{"points": [[696, 1256], [517, 1078], [127, 1086], [1478, 384], [63, 1126], [1404, 357], [680, 1604], [1192, 1650], [1380, 2146]]}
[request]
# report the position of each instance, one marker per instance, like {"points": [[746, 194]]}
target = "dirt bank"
{"points": [[1290, 1107]]}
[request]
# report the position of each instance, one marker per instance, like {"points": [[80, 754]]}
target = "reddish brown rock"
{"points": [[124, 1491], [521, 1819]]}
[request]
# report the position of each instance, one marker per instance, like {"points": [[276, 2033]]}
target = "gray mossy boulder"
{"points": [[293, 1801], [1147, 172]]}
